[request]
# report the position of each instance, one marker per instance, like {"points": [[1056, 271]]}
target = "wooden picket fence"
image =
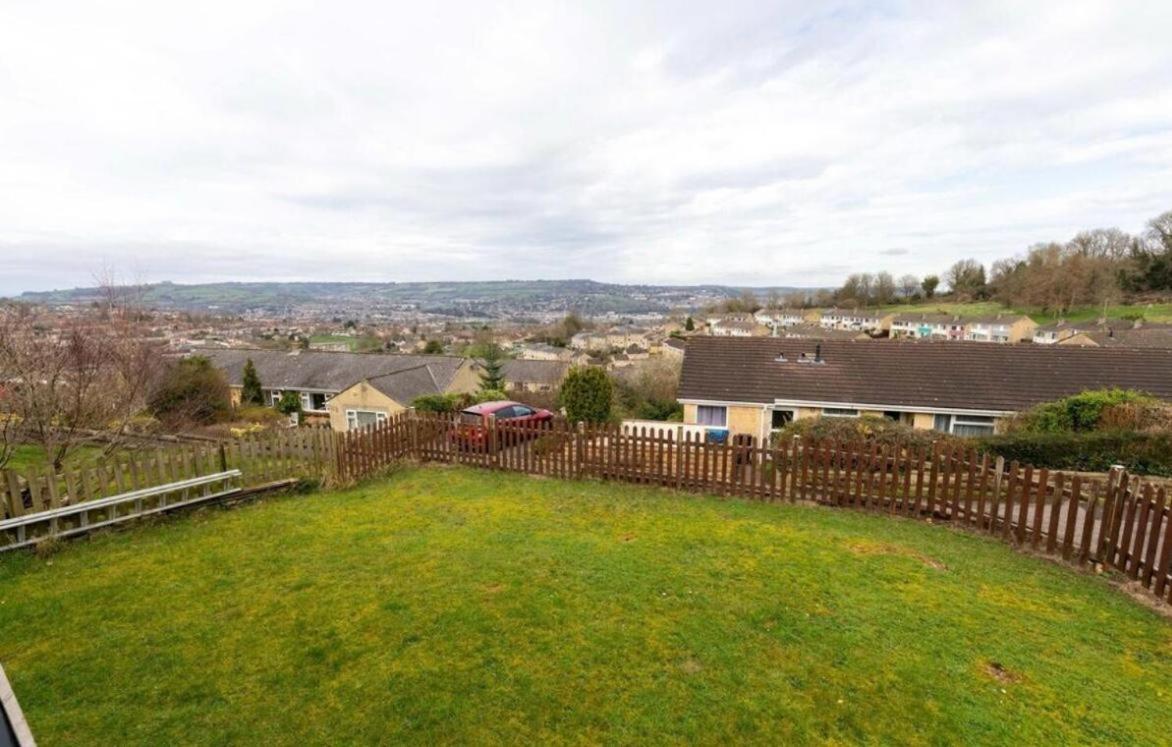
{"points": [[301, 452], [1115, 520]]}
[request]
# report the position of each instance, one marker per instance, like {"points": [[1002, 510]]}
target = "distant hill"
{"points": [[488, 298]]}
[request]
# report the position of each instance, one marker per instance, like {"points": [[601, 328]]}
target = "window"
{"points": [[963, 425], [712, 415], [780, 419], [521, 411], [306, 401], [317, 401], [362, 418], [274, 397], [839, 412]]}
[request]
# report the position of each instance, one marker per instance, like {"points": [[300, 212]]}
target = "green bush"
{"points": [[1079, 413], [1142, 453], [586, 394], [289, 403], [439, 402], [870, 429]]}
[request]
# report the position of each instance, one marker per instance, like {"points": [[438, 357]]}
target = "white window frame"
{"points": [[352, 417], [793, 415], [723, 409], [960, 420]]}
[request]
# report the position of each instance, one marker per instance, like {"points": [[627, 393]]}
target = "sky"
{"points": [[744, 143]]}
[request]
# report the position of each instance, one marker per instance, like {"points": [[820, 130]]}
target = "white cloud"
{"points": [[663, 142]]}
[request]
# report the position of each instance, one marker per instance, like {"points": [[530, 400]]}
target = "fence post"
{"points": [[579, 448], [223, 459]]}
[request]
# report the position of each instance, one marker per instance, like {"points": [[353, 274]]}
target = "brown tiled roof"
{"points": [[1140, 337], [914, 374]]}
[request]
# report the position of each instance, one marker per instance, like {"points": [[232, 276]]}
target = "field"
{"points": [[1160, 312], [451, 605]]}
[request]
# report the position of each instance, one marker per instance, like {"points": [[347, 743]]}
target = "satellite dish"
{"points": [[14, 731]]}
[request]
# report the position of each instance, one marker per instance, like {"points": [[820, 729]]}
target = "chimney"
{"points": [[818, 353]]}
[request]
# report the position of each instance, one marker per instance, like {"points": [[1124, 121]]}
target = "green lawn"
{"points": [[459, 606], [26, 457], [1150, 312]]}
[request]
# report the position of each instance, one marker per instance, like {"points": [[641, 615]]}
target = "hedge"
{"points": [[1141, 453]]}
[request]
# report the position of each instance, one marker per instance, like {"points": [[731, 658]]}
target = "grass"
{"points": [[451, 605], [1158, 312], [27, 456]]}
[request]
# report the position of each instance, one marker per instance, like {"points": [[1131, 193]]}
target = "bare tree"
{"points": [[909, 285], [89, 372]]}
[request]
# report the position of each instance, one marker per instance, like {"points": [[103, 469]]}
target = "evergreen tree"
{"points": [[250, 391], [492, 378], [586, 394], [689, 324]]}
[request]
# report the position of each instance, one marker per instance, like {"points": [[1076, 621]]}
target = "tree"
{"points": [[433, 347], [586, 394], [689, 325], [966, 279], [909, 285], [191, 391], [250, 391], [929, 284], [289, 403], [493, 376], [884, 289], [92, 373]]}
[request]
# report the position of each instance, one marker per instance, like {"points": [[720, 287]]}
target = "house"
{"points": [[780, 318], [673, 348], [927, 326], [1138, 335], [534, 376], [810, 331], [328, 383], [855, 320], [737, 327], [1000, 328], [1055, 332], [540, 351], [756, 385]]}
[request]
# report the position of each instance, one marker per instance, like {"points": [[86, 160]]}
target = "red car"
{"points": [[472, 432]]}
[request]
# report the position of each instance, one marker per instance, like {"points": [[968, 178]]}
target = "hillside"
{"points": [[488, 298]]}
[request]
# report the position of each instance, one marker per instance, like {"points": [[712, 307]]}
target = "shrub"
{"points": [[289, 403], [489, 395], [192, 390], [586, 394], [1142, 453], [438, 403], [1082, 412], [871, 429]]}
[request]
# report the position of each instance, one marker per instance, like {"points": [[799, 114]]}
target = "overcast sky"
{"points": [[732, 142]]}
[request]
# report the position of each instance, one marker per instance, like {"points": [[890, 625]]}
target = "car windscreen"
{"points": [[471, 418]]}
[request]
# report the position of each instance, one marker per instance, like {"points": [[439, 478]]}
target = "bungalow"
{"points": [[673, 348], [346, 389], [780, 318], [755, 386], [737, 328], [1000, 328], [534, 376]]}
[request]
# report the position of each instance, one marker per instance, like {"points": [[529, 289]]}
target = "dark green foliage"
{"points": [[438, 402], [1079, 413], [490, 395], [250, 391], [492, 378], [929, 284], [191, 391], [869, 429], [289, 403], [1142, 453], [586, 395], [433, 347], [690, 324]]}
